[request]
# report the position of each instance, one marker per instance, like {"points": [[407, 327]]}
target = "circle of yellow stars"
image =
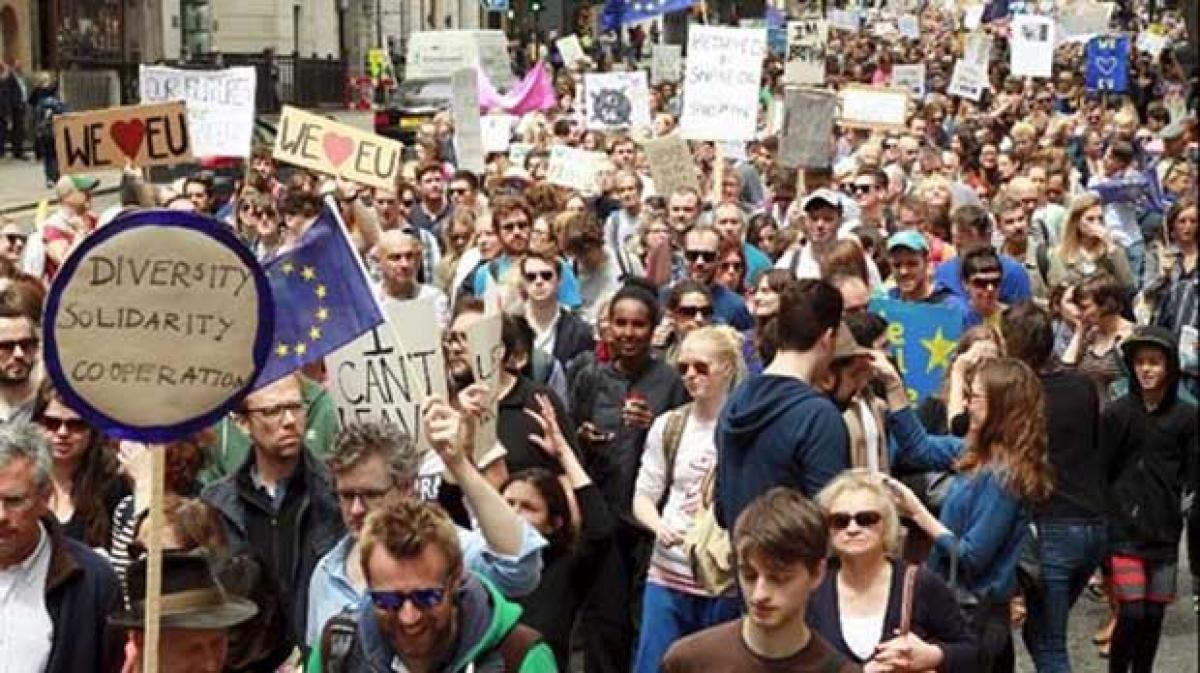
{"points": [[321, 315]]}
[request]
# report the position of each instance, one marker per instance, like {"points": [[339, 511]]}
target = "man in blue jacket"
{"points": [[776, 429]]}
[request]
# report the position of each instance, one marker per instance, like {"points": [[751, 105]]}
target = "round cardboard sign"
{"points": [[157, 325]]}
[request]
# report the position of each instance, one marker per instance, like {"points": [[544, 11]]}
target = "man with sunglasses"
{"points": [[19, 358], [982, 274], [971, 227], [279, 504], [558, 332], [512, 219], [427, 610], [464, 191], [870, 188], [13, 237], [701, 248]]}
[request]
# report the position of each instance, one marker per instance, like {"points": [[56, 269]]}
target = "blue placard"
{"points": [[923, 338], [777, 41], [150, 331], [1107, 66], [497, 5]]}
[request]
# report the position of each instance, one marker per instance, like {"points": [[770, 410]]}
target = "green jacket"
{"points": [[486, 619]]}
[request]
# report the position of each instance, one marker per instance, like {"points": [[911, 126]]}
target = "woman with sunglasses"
{"points": [[689, 307], [1002, 471], [680, 453], [259, 224], [857, 607], [731, 267], [86, 478]]}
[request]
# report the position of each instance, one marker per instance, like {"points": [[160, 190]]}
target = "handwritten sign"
{"points": [[326, 146], [909, 26], [720, 100], [220, 105], [843, 19], [157, 325], [1032, 50], [671, 165], [143, 135], [805, 62], [808, 128], [968, 80], [972, 17], [571, 51], [468, 136], [385, 375], [1152, 43], [487, 354], [616, 100], [977, 49], [873, 108], [1107, 64], [666, 63], [922, 338], [1083, 22], [497, 132], [574, 168], [911, 77], [437, 54]]}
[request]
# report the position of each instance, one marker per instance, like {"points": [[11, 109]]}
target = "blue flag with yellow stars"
{"points": [[323, 299], [923, 338], [618, 12]]}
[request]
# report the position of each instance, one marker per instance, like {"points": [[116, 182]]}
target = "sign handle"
{"points": [[154, 560]]}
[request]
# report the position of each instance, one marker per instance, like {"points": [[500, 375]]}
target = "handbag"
{"points": [[966, 599], [907, 596], [1029, 564], [707, 545]]}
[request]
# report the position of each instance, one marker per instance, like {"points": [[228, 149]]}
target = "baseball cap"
{"points": [[822, 197], [846, 347], [69, 184], [910, 238]]}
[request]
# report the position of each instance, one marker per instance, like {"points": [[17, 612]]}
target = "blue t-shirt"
{"points": [[568, 288], [1014, 281]]}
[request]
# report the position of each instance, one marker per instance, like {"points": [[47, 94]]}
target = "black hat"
{"points": [[192, 598]]}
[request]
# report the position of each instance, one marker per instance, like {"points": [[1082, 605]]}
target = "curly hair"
{"points": [[1012, 440]]}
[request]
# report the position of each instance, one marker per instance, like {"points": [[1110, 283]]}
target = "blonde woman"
{"points": [[937, 194], [675, 602], [1087, 247], [857, 606]]}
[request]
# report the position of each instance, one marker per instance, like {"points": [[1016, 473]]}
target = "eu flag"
{"points": [[323, 300], [617, 12]]}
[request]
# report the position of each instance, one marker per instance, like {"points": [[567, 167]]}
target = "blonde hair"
{"points": [[1072, 239], [727, 343], [860, 479]]}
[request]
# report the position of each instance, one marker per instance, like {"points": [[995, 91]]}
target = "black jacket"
{"points": [[572, 336], [81, 591]]}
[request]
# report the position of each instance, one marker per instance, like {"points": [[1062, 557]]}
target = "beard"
{"points": [[13, 376]]}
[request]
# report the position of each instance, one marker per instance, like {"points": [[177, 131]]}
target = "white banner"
{"points": [[616, 100], [574, 168], [720, 97], [1032, 51], [969, 80], [220, 105], [911, 77]]}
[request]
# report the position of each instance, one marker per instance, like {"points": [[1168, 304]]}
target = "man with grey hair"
{"points": [[373, 462], [57, 593], [401, 255]]}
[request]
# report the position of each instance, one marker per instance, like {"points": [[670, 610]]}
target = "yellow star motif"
{"points": [[288, 267], [939, 348], [322, 314], [282, 350], [314, 334], [301, 348], [308, 273], [321, 292]]}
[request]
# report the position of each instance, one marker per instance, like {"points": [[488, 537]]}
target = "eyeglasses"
{"points": [[841, 520], [276, 412], [422, 599], [54, 424], [731, 266], [684, 367], [707, 256], [694, 311], [985, 283], [15, 239], [531, 276], [408, 203], [27, 345], [368, 497], [862, 189], [513, 226]]}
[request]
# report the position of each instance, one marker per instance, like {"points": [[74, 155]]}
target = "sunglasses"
{"points": [[841, 520], [531, 276], [694, 311], [862, 189], [701, 368], [707, 256], [16, 239], [74, 426], [408, 203], [422, 599], [27, 345], [731, 266], [985, 283], [513, 226]]}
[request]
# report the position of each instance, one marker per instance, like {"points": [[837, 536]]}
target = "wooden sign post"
{"points": [[158, 461]]}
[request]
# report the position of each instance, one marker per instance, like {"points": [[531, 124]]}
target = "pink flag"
{"points": [[535, 92]]}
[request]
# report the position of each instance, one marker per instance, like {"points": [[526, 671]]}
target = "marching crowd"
{"points": [[708, 455]]}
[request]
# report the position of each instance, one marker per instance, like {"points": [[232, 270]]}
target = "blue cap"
{"points": [[909, 238]]}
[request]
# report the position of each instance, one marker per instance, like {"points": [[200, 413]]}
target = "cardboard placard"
{"points": [[969, 80], [909, 26], [468, 134], [671, 165], [616, 100], [220, 105], [386, 374], [1032, 48], [910, 77], [437, 54], [571, 50], [666, 63], [142, 135], [807, 128], [720, 97], [487, 354], [873, 107], [326, 146], [497, 132], [157, 325], [805, 62], [574, 168], [843, 19], [1084, 22], [1107, 64]]}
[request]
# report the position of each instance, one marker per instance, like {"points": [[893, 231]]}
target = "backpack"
{"points": [[340, 652]]}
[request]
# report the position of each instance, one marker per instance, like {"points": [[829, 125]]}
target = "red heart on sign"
{"points": [[128, 136], [337, 148]]}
